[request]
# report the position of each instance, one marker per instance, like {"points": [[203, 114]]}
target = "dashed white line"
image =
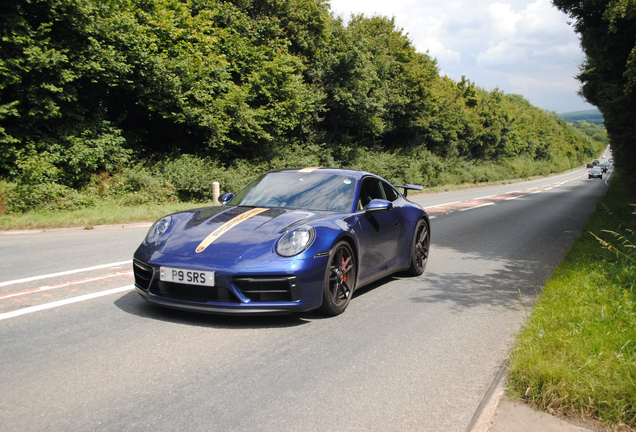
{"points": [[481, 205], [442, 205]]}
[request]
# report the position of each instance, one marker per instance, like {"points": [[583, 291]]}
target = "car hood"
{"points": [[230, 233]]}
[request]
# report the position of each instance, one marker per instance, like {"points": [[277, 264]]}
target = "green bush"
{"points": [[45, 196], [137, 185], [5, 189], [191, 177]]}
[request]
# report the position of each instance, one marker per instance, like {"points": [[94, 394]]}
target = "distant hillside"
{"points": [[590, 116]]}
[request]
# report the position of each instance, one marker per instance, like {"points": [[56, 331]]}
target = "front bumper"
{"points": [[271, 287]]}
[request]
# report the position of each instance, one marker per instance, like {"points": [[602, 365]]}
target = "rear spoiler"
{"points": [[409, 187]]}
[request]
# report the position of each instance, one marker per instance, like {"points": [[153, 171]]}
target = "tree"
{"points": [[608, 75]]}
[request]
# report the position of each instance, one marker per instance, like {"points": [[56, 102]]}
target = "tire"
{"points": [[340, 279], [419, 249]]}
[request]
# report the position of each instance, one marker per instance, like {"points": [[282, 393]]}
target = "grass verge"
{"points": [[577, 353], [99, 215]]}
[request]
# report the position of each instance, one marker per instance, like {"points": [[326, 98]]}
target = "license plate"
{"points": [[185, 276]]}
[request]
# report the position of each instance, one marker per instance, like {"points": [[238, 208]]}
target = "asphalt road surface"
{"points": [[81, 351]]}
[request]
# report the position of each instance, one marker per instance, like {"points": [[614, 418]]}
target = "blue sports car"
{"points": [[292, 240]]}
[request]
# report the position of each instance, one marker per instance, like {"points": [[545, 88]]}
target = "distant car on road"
{"points": [[595, 172], [605, 166], [596, 162], [590, 165]]}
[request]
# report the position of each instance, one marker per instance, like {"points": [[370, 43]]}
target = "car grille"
{"points": [[270, 288], [193, 292], [143, 274], [256, 288]]}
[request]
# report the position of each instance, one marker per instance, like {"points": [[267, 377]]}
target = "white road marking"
{"points": [[442, 205], [64, 302], [482, 205], [29, 279], [63, 285]]}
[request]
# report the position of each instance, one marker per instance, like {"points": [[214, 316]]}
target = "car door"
{"points": [[379, 232]]}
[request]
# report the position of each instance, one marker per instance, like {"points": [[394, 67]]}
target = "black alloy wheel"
{"points": [[419, 251], [340, 279]]}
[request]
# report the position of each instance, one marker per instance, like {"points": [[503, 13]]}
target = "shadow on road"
{"points": [[515, 286], [133, 304]]}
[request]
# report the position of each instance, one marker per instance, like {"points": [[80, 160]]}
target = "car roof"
{"points": [[333, 171]]}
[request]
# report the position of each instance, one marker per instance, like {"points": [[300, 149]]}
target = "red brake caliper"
{"points": [[344, 276]]}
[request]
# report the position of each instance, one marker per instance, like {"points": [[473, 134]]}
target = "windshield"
{"points": [[298, 190]]}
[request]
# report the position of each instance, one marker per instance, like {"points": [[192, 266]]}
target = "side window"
{"points": [[370, 189], [390, 192]]}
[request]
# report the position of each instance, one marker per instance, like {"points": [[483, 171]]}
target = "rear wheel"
{"points": [[419, 250], [340, 279]]}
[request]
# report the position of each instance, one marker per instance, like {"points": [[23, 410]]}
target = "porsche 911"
{"points": [[292, 240]]}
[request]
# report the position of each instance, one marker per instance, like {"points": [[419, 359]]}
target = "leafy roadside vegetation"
{"points": [[150, 101], [607, 30], [577, 353], [140, 195]]}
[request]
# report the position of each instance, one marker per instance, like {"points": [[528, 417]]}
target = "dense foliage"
{"points": [[608, 38], [185, 92]]}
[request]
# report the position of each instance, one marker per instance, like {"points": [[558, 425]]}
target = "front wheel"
{"points": [[419, 250], [340, 279]]}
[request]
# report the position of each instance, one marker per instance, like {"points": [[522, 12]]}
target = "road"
{"points": [[82, 351]]}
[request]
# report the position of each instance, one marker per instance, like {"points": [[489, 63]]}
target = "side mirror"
{"points": [[225, 198], [378, 206]]}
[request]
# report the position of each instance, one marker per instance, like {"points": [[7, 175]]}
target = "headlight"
{"points": [[295, 241], [158, 228]]}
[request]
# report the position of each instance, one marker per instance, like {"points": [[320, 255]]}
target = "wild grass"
{"points": [[89, 217], [577, 353]]}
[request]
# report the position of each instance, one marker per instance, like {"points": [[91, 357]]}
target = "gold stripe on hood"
{"points": [[228, 226]]}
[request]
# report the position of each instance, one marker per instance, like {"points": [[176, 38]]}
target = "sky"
{"points": [[519, 46]]}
